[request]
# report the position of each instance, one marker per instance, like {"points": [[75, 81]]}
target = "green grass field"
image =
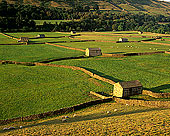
{"points": [[114, 48], [6, 40], [152, 70], [35, 52], [40, 22], [32, 90], [21, 85], [34, 34]]}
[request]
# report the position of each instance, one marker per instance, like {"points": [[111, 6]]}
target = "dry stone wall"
{"points": [[56, 112], [158, 104], [156, 95], [65, 47]]}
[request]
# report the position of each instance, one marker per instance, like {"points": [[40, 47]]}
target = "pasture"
{"points": [[127, 120], [152, 70], [35, 52], [40, 22], [31, 90], [5, 40]]}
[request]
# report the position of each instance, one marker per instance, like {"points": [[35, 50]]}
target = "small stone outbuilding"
{"points": [[23, 39], [140, 32], [93, 52], [123, 40], [126, 89], [73, 32], [41, 36]]}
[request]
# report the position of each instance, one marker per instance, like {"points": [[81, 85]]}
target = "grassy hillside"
{"points": [[150, 6], [29, 90], [127, 120]]}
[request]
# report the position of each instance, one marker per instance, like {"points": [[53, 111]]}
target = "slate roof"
{"points": [[93, 49], [130, 84]]}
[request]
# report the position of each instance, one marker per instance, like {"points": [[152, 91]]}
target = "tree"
{"points": [[96, 7]]}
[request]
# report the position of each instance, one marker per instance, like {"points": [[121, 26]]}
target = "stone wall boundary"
{"points": [[56, 112], [146, 92], [162, 104], [133, 54], [157, 104], [9, 36], [65, 47], [156, 95]]}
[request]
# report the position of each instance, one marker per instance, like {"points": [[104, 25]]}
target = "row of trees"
{"points": [[21, 18], [106, 25]]}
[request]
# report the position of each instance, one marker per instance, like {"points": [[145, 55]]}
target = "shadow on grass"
{"points": [[159, 88], [103, 75], [116, 52], [86, 118], [125, 33]]}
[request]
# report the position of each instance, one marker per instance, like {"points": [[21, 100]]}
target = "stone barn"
{"points": [[93, 52], [123, 40], [140, 32], [23, 39], [41, 36], [126, 89], [73, 32]]}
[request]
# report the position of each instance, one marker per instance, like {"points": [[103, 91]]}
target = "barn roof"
{"points": [[123, 38], [130, 84], [93, 49]]}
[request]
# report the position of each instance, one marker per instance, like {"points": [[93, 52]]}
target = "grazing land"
{"points": [[35, 52], [32, 90], [152, 70], [122, 120], [27, 90], [40, 22], [5, 40]]}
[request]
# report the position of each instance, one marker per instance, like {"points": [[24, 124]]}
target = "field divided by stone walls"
{"points": [[151, 70]]}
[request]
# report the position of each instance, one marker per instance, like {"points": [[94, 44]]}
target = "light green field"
{"points": [[6, 40], [152, 70], [115, 48], [32, 90], [110, 37], [40, 22], [35, 52], [34, 34]]}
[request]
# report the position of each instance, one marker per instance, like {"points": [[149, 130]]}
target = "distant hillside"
{"points": [[147, 6]]}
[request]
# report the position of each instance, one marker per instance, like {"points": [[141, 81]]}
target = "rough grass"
{"points": [[34, 34], [127, 120], [40, 22], [35, 53], [114, 48], [152, 70], [6, 40], [32, 90]]}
